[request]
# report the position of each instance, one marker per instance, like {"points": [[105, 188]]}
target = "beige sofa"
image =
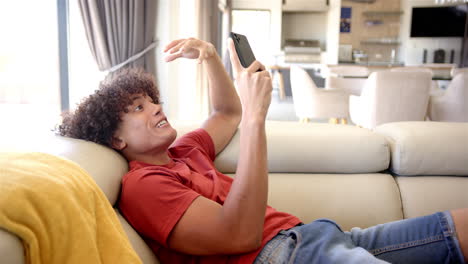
{"points": [[340, 172]]}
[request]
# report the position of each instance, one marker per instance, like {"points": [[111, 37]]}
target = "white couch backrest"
{"points": [[427, 148], [313, 148], [292, 148]]}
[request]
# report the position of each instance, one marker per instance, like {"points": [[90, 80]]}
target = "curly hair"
{"points": [[98, 116]]}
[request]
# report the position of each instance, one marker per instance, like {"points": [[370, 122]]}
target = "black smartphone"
{"points": [[244, 52]]}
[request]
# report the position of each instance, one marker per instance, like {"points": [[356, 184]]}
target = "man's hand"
{"points": [[254, 87], [225, 104], [190, 48]]}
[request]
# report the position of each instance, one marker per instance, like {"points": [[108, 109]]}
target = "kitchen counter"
{"points": [[440, 71], [316, 70]]}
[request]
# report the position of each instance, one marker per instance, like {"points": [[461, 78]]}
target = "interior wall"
{"points": [[412, 48]]}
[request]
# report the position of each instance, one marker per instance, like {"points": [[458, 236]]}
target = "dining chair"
{"points": [[452, 106], [351, 86], [435, 89], [440, 70], [312, 102], [349, 70], [391, 96], [456, 71], [347, 78]]}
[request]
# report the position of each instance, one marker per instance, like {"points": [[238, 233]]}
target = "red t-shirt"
{"points": [[154, 197]]}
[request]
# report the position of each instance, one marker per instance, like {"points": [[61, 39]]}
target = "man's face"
{"points": [[144, 129]]}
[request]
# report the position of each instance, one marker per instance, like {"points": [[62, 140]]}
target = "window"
{"points": [[84, 74], [29, 76]]}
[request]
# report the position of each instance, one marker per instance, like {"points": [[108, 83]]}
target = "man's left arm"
{"points": [[226, 109]]}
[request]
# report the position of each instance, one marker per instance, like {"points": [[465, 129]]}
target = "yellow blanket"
{"points": [[59, 212]]}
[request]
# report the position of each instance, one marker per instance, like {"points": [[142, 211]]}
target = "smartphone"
{"points": [[244, 52]]}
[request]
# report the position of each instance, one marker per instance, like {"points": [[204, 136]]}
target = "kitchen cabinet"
{"points": [[305, 5]]}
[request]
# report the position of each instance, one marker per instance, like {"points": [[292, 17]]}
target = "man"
{"points": [[188, 212]]}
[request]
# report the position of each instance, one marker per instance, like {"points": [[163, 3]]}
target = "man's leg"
{"points": [[426, 239], [460, 219]]}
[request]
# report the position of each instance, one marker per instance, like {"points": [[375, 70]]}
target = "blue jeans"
{"points": [[427, 239]]}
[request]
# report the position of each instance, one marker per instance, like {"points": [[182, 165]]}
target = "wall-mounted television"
{"points": [[446, 21]]}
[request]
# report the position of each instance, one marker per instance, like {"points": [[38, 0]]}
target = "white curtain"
{"points": [[121, 30]]}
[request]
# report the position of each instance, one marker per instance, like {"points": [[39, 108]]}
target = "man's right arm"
{"points": [[208, 228]]}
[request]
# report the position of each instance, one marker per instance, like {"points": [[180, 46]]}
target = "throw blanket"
{"points": [[59, 212]]}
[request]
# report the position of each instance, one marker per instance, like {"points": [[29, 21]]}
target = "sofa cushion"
{"points": [[427, 148], [141, 248], [351, 200], [11, 248], [429, 194], [105, 165], [313, 148]]}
